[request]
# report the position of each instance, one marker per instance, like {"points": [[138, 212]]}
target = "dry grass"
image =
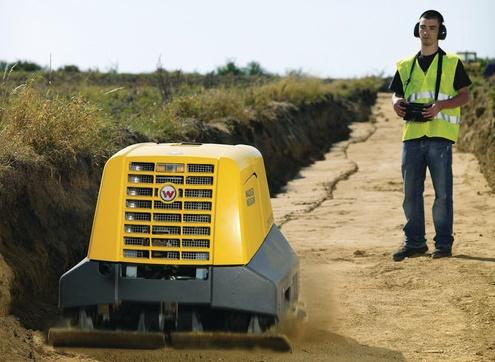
{"points": [[297, 91], [209, 105], [38, 128], [248, 102], [58, 122]]}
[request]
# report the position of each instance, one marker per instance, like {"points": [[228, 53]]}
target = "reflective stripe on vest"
{"points": [[421, 89], [431, 95], [450, 119]]}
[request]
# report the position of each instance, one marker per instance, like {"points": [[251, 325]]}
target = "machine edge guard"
{"points": [[267, 284]]}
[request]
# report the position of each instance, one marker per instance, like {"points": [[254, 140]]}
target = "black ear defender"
{"points": [[442, 30]]}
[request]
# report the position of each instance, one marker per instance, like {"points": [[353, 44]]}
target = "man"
{"points": [[429, 89]]}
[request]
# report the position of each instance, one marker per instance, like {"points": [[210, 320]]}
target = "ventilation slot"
{"points": [[199, 180], [137, 241], [196, 205], [137, 216], [142, 166], [195, 243], [167, 217], [193, 193], [136, 253], [165, 242], [175, 230], [139, 191], [200, 168], [191, 255], [140, 179], [179, 180], [197, 218], [196, 230], [165, 254], [138, 204], [177, 205], [142, 229]]}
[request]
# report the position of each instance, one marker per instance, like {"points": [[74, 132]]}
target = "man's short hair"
{"points": [[432, 14]]}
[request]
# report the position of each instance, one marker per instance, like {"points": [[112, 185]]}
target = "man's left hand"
{"points": [[432, 111]]}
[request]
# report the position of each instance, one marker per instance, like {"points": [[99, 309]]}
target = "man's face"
{"points": [[428, 31]]}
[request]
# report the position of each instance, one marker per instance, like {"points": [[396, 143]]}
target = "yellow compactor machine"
{"points": [[184, 251]]}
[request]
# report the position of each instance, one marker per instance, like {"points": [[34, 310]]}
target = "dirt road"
{"points": [[343, 216]]}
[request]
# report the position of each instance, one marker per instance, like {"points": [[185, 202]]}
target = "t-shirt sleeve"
{"points": [[396, 85], [461, 79]]}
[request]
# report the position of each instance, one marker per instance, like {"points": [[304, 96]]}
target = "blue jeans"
{"points": [[436, 154]]}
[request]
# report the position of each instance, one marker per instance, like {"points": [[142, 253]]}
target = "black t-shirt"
{"points": [[461, 79]]}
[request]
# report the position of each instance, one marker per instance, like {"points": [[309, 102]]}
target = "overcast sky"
{"points": [[333, 38]]}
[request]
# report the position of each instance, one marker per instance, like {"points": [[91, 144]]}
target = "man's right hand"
{"points": [[399, 106]]}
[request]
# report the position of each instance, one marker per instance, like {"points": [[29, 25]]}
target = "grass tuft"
{"points": [[36, 127]]}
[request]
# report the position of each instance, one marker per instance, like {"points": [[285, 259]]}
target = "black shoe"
{"points": [[406, 252], [441, 253]]}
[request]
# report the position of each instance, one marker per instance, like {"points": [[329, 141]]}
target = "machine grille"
{"points": [[173, 206], [196, 230], [198, 218], [138, 204], [192, 255], [136, 241], [165, 254], [177, 231], [178, 180], [199, 180], [140, 179], [140, 229], [136, 253], [198, 193], [142, 166], [196, 205], [195, 243], [139, 191], [167, 217], [200, 168], [137, 216], [165, 242]]}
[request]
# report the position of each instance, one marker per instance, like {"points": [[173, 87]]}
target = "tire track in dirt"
{"points": [[336, 162], [422, 308]]}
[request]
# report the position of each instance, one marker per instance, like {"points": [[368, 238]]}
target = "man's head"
{"points": [[430, 27]]}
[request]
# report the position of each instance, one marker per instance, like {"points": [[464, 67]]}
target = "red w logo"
{"points": [[168, 193]]}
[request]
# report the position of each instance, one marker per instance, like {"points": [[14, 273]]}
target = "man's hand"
{"points": [[399, 106], [432, 111], [460, 99]]}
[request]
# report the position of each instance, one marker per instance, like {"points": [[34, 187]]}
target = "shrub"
{"points": [[208, 105], [70, 69]]}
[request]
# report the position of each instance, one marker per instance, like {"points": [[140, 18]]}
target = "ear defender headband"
{"points": [[431, 14]]}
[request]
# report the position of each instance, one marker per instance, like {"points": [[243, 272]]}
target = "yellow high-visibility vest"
{"points": [[421, 89]]}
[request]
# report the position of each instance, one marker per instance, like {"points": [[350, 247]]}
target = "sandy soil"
{"points": [[344, 218]]}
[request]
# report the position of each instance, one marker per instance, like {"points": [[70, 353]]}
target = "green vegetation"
{"points": [[20, 66], [252, 69], [55, 117]]}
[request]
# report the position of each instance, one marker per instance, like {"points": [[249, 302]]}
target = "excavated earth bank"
{"points": [[46, 214], [478, 128]]}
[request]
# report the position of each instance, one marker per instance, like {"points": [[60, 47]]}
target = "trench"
{"points": [[46, 213]]}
